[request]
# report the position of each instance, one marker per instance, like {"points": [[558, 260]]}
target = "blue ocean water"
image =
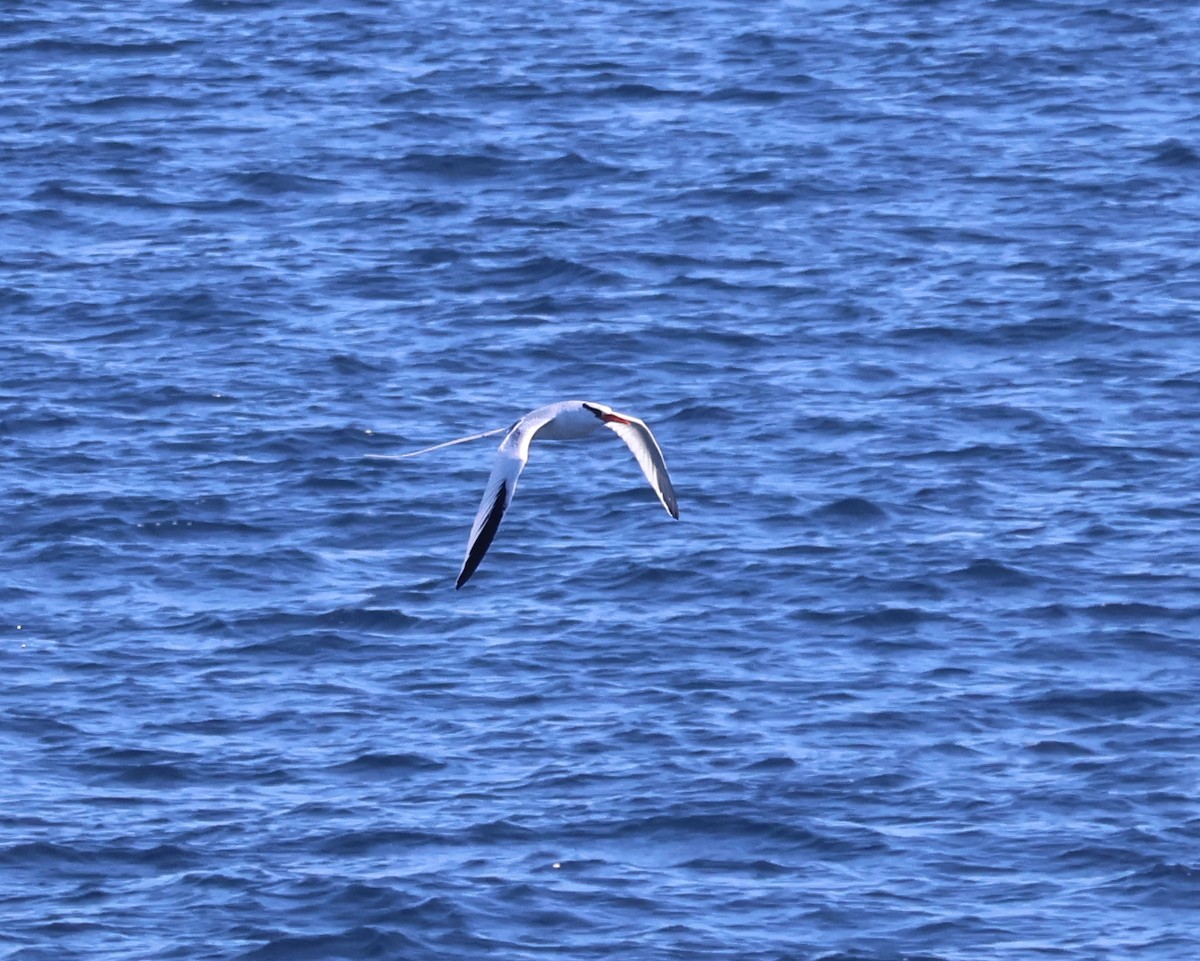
{"points": [[908, 292]]}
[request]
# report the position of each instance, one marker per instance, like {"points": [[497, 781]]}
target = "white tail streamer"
{"points": [[426, 450]]}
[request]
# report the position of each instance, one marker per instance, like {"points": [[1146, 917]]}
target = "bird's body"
{"points": [[566, 420]]}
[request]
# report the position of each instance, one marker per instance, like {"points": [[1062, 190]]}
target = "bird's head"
{"points": [[605, 413]]}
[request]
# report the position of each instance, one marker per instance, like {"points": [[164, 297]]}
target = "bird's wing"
{"points": [[498, 494], [510, 461], [640, 440]]}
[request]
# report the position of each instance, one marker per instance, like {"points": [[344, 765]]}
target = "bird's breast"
{"points": [[554, 431], [569, 425]]}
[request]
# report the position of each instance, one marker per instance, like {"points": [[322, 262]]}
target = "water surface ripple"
{"points": [[908, 293]]}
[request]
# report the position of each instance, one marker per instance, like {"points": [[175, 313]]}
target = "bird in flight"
{"points": [[566, 420]]}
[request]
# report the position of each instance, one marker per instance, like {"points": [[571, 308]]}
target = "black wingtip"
{"points": [[669, 502], [484, 540]]}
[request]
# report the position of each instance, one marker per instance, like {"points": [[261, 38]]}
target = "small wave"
{"points": [[857, 510], [749, 95], [756, 868], [1094, 704], [355, 944], [376, 841], [1059, 748], [455, 166], [636, 91], [518, 92], [500, 830], [986, 571], [92, 49], [778, 763], [575, 166], [678, 826], [543, 272], [742, 197], [1174, 153], [1119, 612], [41, 854], [60, 191], [889, 617], [276, 183], [139, 104], [375, 762]]}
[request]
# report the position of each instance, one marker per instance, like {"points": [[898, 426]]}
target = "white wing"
{"points": [[510, 461], [640, 440], [496, 498]]}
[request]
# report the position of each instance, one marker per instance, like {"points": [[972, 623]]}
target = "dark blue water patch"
{"points": [[850, 510], [1164, 886], [750, 870], [511, 91], [772, 764], [40, 853], [1090, 704], [94, 50], [1174, 153], [360, 941], [93, 859], [53, 193], [1059, 749], [604, 87], [741, 198], [573, 166], [379, 905], [985, 572], [890, 618], [455, 167], [390, 764], [284, 636], [1127, 612], [380, 841], [157, 775], [499, 831], [137, 105], [275, 183], [747, 95], [434, 256], [542, 273]]}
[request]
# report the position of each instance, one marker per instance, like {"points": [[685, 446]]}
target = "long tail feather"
{"points": [[426, 450]]}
